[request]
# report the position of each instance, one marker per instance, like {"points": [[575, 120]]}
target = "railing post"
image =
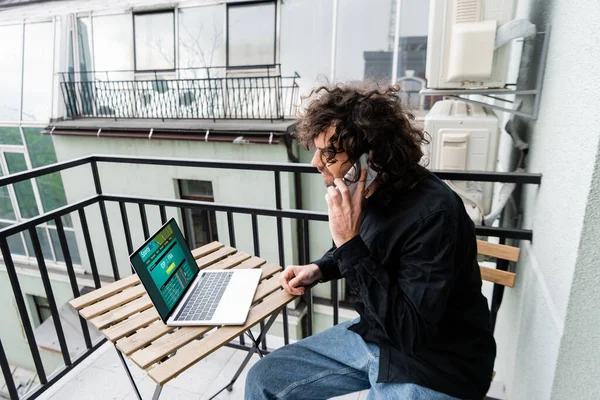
{"points": [[335, 298], [14, 282], [89, 247], [7, 373], [212, 101], [144, 220], [286, 334], [256, 244], [308, 294], [37, 248], [72, 278], [109, 242]]}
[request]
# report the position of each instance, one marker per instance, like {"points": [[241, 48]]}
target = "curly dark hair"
{"points": [[367, 120]]}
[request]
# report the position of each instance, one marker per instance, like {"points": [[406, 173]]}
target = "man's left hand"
{"points": [[345, 211]]}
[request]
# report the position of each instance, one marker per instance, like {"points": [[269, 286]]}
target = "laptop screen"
{"points": [[165, 267]]}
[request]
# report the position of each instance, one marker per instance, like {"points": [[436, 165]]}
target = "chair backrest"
{"points": [[502, 252]]}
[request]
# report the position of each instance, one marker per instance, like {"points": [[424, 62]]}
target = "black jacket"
{"points": [[415, 271]]}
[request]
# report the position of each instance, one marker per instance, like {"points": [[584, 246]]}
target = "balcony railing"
{"points": [[101, 199], [195, 93]]}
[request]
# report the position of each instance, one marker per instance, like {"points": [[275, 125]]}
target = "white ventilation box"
{"points": [[461, 51], [464, 137]]}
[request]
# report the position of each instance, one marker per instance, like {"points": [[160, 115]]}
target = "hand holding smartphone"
{"points": [[351, 178]]}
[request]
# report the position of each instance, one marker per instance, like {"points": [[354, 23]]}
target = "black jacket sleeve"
{"points": [[328, 266], [409, 306]]}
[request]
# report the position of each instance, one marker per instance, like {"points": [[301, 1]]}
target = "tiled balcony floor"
{"points": [[101, 376]]}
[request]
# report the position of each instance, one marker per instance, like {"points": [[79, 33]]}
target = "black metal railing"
{"points": [[101, 199], [189, 93]]}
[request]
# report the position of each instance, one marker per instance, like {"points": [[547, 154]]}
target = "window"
{"points": [[42, 310], [154, 40], [10, 72], [251, 34], [112, 51], [37, 71], [201, 224], [23, 190], [27, 199]]}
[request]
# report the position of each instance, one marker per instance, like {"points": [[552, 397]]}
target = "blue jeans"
{"points": [[332, 363]]}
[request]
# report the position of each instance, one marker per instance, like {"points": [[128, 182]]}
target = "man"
{"points": [[407, 249]]}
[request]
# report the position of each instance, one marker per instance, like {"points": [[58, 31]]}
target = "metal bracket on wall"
{"points": [[494, 93]]}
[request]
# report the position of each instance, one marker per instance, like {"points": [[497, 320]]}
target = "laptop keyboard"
{"points": [[205, 297]]}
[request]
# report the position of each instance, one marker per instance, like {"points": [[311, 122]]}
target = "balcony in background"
{"points": [[215, 93]]}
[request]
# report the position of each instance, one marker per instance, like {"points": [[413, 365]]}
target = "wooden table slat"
{"points": [[215, 257], [207, 249], [268, 270], [143, 337], [229, 262], [104, 292], [113, 302], [167, 344], [253, 262], [119, 314], [131, 324], [197, 350], [266, 287]]}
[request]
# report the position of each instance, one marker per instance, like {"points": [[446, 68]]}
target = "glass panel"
{"points": [[85, 64], [43, 308], [41, 232], [6, 208], [41, 153], [23, 190], [56, 245], [15, 242], [201, 38], [251, 34], [10, 135], [154, 41], [309, 52], [37, 78], [71, 243], [84, 36], [196, 188], [10, 72], [357, 48], [113, 44]]}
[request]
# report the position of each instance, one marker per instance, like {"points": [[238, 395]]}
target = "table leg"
{"points": [[157, 392], [251, 336], [135, 389], [255, 348]]}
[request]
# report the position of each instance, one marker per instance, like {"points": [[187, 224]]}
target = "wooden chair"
{"points": [[499, 276]]}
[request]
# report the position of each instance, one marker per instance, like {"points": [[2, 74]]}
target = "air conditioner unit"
{"points": [[464, 136], [461, 46]]}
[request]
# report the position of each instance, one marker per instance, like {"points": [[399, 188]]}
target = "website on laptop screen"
{"points": [[166, 267]]}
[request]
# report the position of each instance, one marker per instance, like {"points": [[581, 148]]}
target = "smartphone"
{"points": [[351, 178]]}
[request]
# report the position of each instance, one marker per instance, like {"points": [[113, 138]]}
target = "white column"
{"points": [[396, 42], [333, 41]]}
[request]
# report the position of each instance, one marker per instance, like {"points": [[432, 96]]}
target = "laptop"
{"points": [[184, 295]]}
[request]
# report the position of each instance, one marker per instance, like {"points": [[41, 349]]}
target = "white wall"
{"points": [[563, 147], [578, 364]]}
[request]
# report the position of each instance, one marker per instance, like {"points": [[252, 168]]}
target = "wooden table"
{"points": [[123, 312]]}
